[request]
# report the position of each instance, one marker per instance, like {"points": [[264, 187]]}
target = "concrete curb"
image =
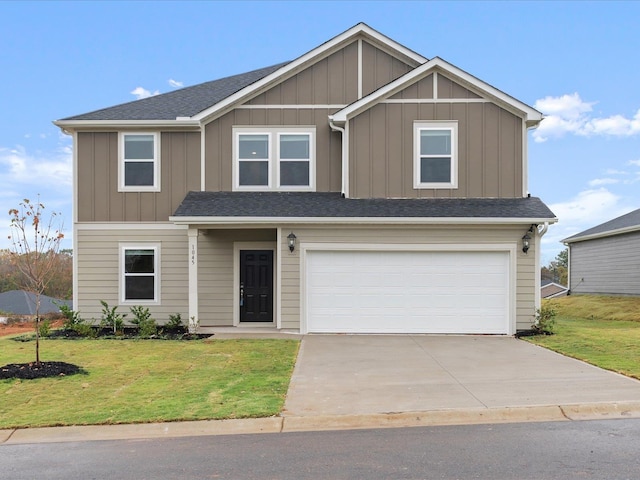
{"points": [[541, 413]]}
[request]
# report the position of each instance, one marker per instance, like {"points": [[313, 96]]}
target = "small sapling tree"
{"points": [[35, 243]]}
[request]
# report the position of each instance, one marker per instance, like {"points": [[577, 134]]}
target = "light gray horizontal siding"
{"points": [[608, 265], [98, 255]]}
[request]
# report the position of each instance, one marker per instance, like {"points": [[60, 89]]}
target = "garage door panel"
{"points": [[413, 292]]}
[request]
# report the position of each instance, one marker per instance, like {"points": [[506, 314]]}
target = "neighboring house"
{"points": [[19, 302], [358, 188], [606, 259], [553, 290]]}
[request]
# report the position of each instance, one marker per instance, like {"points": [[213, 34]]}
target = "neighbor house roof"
{"points": [[627, 223], [551, 290], [234, 207], [19, 302]]}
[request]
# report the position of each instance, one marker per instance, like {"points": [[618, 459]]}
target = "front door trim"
{"points": [[237, 246]]}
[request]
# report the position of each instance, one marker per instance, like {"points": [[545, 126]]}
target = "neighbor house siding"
{"points": [[434, 235], [609, 265], [98, 197], [489, 150], [98, 269]]}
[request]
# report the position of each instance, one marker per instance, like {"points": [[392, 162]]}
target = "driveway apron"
{"points": [[369, 374]]}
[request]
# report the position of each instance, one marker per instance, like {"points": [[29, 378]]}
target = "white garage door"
{"points": [[407, 292]]}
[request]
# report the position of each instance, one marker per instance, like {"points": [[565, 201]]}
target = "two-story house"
{"points": [[359, 188]]}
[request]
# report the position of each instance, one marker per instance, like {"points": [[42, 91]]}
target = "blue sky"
{"points": [[577, 62]]}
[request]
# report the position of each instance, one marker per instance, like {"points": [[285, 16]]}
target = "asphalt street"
{"points": [[553, 450]]}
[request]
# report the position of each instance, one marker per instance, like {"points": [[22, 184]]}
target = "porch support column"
{"points": [[194, 321]]}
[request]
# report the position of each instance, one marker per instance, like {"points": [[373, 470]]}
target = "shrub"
{"points": [[44, 328], [175, 322], [545, 320], [142, 318], [111, 319]]}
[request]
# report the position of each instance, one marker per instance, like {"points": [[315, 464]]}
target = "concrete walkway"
{"points": [[374, 381]]}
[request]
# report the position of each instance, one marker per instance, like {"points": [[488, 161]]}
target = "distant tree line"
{"points": [[61, 284], [557, 270]]}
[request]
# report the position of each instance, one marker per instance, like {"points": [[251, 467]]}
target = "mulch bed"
{"points": [[29, 371]]}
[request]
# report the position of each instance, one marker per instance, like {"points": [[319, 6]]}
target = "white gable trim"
{"points": [[608, 233], [530, 115], [324, 50]]}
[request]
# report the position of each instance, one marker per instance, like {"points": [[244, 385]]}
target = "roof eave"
{"points": [[76, 125], [228, 220]]}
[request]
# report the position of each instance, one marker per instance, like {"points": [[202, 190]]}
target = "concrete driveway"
{"points": [[381, 374]]}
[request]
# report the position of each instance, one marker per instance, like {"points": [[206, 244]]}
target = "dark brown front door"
{"points": [[256, 285]]}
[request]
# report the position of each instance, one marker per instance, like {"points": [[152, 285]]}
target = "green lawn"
{"points": [[130, 381], [601, 330]]}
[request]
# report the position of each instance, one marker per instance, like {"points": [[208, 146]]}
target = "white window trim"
{"points": [[435, 125], [156, 273], [156, 164], [273, 160]]}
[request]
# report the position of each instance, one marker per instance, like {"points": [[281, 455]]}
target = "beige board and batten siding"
{"points": [[381, 149], [216, 271], [219, 144], [98, 268], [525, 294], [98, 198], [609, 265]]}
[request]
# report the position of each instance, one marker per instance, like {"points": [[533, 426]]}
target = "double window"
{"points": [[139, 267], [435, 155], [139, 162], [274, 159]]}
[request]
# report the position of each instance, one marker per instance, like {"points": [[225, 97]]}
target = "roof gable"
{"points": [[627, 223], [435, 65], [372, 36], [200, 103]]}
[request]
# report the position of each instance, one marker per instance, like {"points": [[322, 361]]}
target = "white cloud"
{"points": [[25, 175], [141, 93], [634, 162], [571, 114], [603, 181], [585, 210], [175, 83]]}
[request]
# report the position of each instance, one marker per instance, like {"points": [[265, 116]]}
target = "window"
{"points": [[435, 155], [139, 274], [139, 170], [274, 159]]}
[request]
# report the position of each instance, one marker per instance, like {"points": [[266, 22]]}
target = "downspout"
{"points": [[342, 130], [539, 234]]}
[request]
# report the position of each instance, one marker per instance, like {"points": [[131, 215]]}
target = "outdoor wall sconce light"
{"points": [[292, 242], [526, 240]]}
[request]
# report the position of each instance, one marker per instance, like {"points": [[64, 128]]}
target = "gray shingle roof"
{"points": [[629, 220], [19, 302], [310, 204], [185, 102]]}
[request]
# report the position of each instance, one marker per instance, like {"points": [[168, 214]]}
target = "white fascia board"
{"points": [[71, 125], [530, 114], [610, 233], [358, 220], [306, 59]]}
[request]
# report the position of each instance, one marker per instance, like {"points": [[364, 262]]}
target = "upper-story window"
{"points": [[435, 155], [274, 158], [139, 169]]}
